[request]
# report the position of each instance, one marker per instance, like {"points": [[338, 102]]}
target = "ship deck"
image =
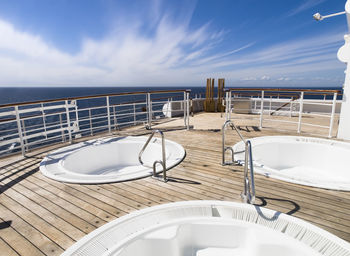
{"points": [[40, 216]]}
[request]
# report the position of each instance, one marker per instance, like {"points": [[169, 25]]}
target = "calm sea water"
{"points": [[25, 94]]}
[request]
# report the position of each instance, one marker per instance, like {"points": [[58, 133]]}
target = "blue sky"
{"points": [[170, 43]]}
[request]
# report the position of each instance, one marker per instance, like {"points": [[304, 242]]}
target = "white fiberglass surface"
{"points": [[211, 237], [109, 160], [308, 161], [208, 228]]}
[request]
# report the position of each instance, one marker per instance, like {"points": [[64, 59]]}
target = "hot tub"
{"points": [[208, 228], [308, 161], [109, 160]]}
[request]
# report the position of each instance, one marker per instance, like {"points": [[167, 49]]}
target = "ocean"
{"points": [[25, 94]]}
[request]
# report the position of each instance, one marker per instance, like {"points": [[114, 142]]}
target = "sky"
{"points": [[170, 43]]}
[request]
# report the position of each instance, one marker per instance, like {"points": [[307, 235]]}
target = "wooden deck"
{"points": [[39, 216]]}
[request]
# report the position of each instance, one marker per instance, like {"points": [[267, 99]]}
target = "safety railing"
{"points": [[248, 194], [294, 105], [161, 162], [30, 125]]}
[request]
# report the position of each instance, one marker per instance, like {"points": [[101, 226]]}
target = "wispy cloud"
{"points": [[307, 4], [171, 52]]}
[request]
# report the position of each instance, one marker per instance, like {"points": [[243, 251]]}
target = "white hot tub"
{"points": [[308, 161], [208, 228], [109, 160]]}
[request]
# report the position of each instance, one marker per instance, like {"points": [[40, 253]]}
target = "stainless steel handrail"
{"points": [[162, 162], [248, 194]]}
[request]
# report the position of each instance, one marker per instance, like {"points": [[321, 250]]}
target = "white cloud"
{"points": [[305, 6], [265, 78], [283, 79], [173, 54]]}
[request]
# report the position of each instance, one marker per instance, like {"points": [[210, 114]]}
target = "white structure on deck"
{"points": [[344, 56]]}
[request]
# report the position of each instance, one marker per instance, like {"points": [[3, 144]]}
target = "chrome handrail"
{"points": [[248, 195], [162, 162]]}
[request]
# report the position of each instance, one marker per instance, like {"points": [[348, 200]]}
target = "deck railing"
{"points": [[29, 125], [265, 103]]}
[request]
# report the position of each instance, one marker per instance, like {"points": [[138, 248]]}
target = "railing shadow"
{"points": [[5, 224], [265, 199], [13, 182], [185, 181]]}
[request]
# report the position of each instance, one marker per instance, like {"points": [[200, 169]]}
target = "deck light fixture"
{"points": [[319, 17]]}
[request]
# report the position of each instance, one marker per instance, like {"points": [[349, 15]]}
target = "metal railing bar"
{"points": [[89, 97]]}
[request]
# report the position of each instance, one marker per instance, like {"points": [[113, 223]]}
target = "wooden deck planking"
{"points": [[48, 216]]}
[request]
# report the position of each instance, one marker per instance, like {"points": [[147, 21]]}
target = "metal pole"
{"points": [[108, 114], [68, 122], [261, 109], [332, 115], [19, 130], [301, 105]]}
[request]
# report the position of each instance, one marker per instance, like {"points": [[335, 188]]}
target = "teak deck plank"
{"points": [[40, 216]]}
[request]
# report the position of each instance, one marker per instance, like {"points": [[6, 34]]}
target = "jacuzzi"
{"points": [[109, 160], [208, 228], [308, 161]]}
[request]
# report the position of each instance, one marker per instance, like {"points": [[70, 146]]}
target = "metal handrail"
{"points": [[248, 194], [161, 162]]}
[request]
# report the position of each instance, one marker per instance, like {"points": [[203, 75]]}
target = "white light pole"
{"points": [[343, 56]]}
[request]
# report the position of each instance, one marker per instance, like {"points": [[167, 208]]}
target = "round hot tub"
{"points": [[308, 161], [208, 228], [109, 160]]}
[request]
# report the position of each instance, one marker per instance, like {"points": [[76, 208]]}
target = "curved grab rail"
{"points": [[248, 195], [162, 162]]}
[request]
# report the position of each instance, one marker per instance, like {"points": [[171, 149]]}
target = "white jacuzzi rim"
{"points": [[135, 217], [273, 173], [102, 179]]}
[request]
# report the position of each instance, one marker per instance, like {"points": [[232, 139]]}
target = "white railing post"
{"points": [[270, 108], [44, 121], [134, 113], [61, 126], [108, 114], [19, 127], [76, 113], [185, 108], [261, 109], [90, 121], [114, 117], [149, 110], [301, 105], [68, 122], [188, 109], [229, 104], [332, 115], [291, 108], [24, 135]]}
